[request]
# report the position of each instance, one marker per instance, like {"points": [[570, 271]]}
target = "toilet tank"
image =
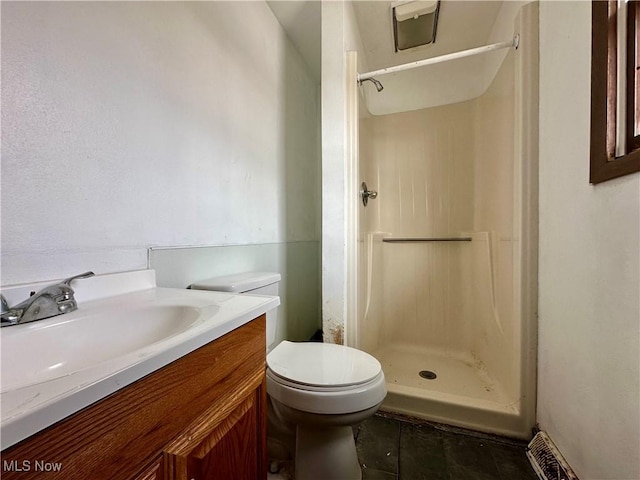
{"points": [[252, 283]]}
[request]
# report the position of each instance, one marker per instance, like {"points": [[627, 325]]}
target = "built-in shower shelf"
{"points": [[426, 239]]}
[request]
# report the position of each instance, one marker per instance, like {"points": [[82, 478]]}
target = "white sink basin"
{"points": [[70, 343], [125, 328]]}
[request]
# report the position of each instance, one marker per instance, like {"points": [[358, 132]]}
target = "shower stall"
{"points": [[444, 256]]}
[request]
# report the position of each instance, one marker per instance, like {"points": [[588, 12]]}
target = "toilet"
{"points": [[317, 391]]}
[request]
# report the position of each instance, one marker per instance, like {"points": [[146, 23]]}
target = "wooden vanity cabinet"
{"points": [[201, 417]]}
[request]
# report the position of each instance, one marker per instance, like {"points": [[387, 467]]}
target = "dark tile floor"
{"points": [[398, 448]]}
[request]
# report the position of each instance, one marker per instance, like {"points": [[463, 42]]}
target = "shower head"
{"points": [[378, 85]]}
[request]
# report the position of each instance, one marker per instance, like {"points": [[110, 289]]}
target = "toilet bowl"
{"points": [[324, 390], [317, 392]]}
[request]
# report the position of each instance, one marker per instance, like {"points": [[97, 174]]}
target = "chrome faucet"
{"points": [[48, 302]]}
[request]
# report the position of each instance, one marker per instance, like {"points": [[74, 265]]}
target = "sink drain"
{"points": [[428, 374]]}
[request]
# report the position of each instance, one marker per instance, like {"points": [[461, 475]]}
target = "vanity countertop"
{"points": [[55, 367]]}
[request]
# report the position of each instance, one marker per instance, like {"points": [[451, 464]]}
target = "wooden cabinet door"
{"points": [[226, 442]]}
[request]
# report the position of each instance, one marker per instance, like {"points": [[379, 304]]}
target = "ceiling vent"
{"points": [[414, 23]]}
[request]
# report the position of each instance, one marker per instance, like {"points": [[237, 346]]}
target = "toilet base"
{"points": [[326, 454]]}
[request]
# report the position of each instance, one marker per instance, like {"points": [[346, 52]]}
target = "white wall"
{"points": [[298, 316], [130, 124], [339, 35], [589, 278]]}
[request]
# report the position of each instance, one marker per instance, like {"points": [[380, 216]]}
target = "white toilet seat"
{"points": [[322, 364], [324, 378]]}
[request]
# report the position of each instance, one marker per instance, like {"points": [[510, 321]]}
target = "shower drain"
{"points": [[428, 374]]}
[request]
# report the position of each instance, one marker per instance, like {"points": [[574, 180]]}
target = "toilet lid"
{"points": [[322, 364]]}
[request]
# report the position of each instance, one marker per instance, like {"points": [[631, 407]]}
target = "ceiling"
{"points": [[461, 25]]}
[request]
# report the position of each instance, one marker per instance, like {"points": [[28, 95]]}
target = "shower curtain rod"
{"points": [[441, 58]]}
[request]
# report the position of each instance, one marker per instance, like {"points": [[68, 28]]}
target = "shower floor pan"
{"points": [[462, 394]]}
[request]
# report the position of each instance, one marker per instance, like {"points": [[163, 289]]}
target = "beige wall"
{"points": [[497, 335], [589, 302], [422, 165]]}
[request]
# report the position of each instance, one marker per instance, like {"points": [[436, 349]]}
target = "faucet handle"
{"points": [[82, 275], [5, 304], [48, 302], [8, 315]]}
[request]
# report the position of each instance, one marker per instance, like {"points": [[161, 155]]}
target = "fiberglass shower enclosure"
{"points": [[446, 253]]}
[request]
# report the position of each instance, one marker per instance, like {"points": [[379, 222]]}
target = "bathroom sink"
{"points": [[71, 343], [125, 328]]}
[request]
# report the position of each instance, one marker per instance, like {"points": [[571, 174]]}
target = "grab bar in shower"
{"points": [[427, 239]]}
